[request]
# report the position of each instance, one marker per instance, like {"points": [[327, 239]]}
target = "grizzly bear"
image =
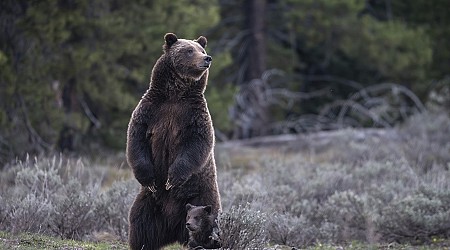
{"points": [[170, 144], [203, 227]]}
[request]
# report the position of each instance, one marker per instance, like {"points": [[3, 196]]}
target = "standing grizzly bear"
{"points": [[170, 145]]}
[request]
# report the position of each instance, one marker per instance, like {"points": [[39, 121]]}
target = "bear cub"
{"points": [[203, 227]]}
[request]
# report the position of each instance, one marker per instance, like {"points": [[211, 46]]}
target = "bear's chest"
{"points": [[169, 123], [174, 121]]}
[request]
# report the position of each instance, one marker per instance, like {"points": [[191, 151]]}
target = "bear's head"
{"points": [[187, 57], [199, 218]]}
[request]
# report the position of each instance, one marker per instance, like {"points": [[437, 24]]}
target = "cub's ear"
{"points": [[188, 207], [170, 39], [208, 209], [202, 41]]}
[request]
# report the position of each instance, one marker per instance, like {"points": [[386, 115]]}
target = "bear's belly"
{"points": [[168, 205], [164, 145]]}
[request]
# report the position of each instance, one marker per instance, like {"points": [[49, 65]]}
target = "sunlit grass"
{"points": [[25, 241]]}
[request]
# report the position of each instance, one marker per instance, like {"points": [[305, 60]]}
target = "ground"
{"points": [[31, 242]]}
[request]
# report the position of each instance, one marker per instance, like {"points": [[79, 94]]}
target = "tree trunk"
{"points": [[250, 112], [66, 140], [254, 11]]}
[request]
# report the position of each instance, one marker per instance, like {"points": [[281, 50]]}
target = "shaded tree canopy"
{"points": [[71, 72]]}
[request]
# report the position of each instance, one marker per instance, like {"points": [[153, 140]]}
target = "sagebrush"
{"points": [[373, 186], [63, 197]]}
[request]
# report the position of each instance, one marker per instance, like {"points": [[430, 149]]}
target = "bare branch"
{"points": [[380, 105], [35, 137], [88, 112]]}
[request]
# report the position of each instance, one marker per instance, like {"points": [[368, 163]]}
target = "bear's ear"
{"points": [[208, 209], [202, 41], [170, 39], [188, 207]]}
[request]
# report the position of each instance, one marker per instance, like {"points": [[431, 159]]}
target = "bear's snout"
{"points": [[206, 62], [190, 227]]}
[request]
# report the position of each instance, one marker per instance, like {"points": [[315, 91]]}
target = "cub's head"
{"points": [[198, 218], [188, 57]]}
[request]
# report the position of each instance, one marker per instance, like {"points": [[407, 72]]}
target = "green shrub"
{"points": [[220, 100]]}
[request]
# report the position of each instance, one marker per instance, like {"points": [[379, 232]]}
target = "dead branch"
{"points": [[36, 139], [88, 112], [380, 105]]}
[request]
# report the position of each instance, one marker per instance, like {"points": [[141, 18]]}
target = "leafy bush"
{"points": [[220, 99]]}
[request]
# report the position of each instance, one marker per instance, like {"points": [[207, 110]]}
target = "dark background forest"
{"points": [[71, 72]]}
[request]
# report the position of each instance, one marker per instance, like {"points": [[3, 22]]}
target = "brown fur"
{"points": [[202, 226], [170, 145]]}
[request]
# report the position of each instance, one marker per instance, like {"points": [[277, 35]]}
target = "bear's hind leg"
{"points": [[182, 234], [145, 226]]}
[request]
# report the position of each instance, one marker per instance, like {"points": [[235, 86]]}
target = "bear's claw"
{"points": [[152, 188], [168, 185]]}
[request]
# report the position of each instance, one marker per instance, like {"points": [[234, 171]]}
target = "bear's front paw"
{"points": [[168, 185], [174, 182], [152, 188], [146, 179]]}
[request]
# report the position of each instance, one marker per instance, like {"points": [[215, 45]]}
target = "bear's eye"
{"points": [[190, 51]]}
